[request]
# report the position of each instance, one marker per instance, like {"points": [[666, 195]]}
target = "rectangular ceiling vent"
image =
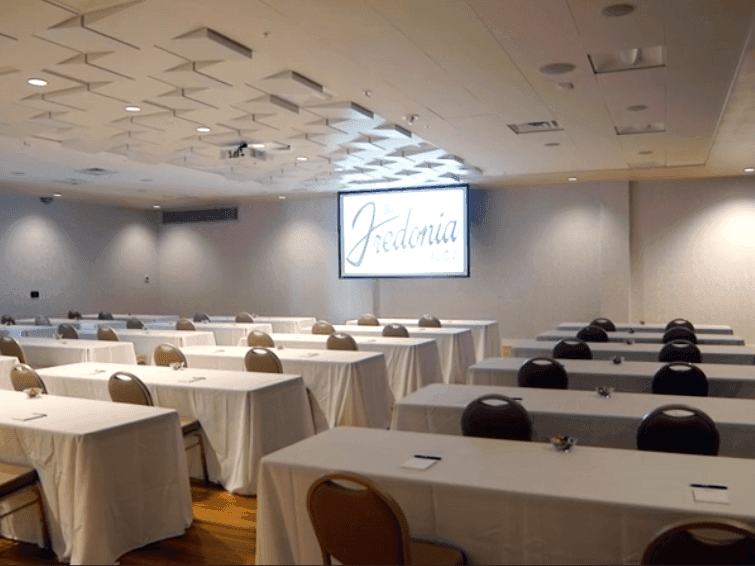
{"points": [[535, 127], [243, 153], [201, 215], [628, 130], [96, 171], [628, 59]]}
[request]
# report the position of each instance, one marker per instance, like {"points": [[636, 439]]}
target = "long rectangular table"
{"points": [[113, 475], [146, 340], [485, 333], [88, 325], [455, 346], [594, 420], [243, 415], [650, 327], [724, 380], [349, 388], [51, 352], [30, 330], [637, 352], [226, 333], [503, 502], [412, 363], [646, 337], [125, 316], [6, 365], [280, 324]]}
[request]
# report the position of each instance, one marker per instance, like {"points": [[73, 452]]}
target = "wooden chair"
{"points": [[15, 479], [244, 317], [505, 419], [167, 354], [9, 346], [260, 339], [323, 327], [68, 332], [395, 331], [544, 373], [185, 324], [107, 333], [366, 526], [368, 320], [22, 376], [262, 360], [429, 321], [341, 341], [661, 431], [678, 544], [125, 387]]}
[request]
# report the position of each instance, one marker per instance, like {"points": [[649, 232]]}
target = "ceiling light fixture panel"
{"points": [[628, 59]]}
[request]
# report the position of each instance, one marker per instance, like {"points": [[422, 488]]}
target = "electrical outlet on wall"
{"points": [[35, 294], [146, 278]]}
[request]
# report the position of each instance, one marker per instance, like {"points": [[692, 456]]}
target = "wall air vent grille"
{"points": [[534, 127], [202, 215]]}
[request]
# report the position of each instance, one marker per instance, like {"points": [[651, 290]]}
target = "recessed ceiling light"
{"points": [[132, 109], [155, 206], [557, 68], [637, 108], [617, 10], [282, 197], [301, 158], [368, 93], [37, 82], [203, 129], [552, 144], [57, 195], [572, 179], [749, 169], [258, 145]]}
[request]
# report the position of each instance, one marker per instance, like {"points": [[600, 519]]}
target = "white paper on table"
{"points": [[420, 463], [703, 494], [27, 416], [190, 379]]}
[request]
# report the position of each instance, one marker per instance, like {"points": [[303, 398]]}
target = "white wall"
{"points": [[79, 257]]}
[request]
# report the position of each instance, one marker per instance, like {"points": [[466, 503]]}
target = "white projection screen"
{"points": [[417, 232]]}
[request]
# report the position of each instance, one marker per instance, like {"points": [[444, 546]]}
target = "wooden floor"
{"points": [[223, 532]]}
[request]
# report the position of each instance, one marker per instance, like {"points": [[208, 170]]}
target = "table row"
{"points": [[645, 337]]}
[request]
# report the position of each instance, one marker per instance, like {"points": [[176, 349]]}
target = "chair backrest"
{"points": [[429, 320], [679, 333], [341, 341], [201, 317], [680, 351], [125, 387], [680, 378], [680, 322], [185, 324], [260, 339], [134, 323], [605, 324], [395, 330], [74, 315], [368, 320], [545, 373], [42, 321], [503, 418], [168, 354], [661, 431], [244, 317], [572, 349], [359, 525], [592, 333], [7, 319], [105, 316], [68, 332], [262, 360], [23, 376], [9, 346], [677, 543], [323, 327], [106, 333]]}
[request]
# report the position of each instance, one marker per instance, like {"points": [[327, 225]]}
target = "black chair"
{"points": [[605, 324], [105, 316], [74, 315], [42, 321], [201, 317], [68, 332], [678, 544], [695, 433], [544, 373], [680, 322], [505, 420], [134, 323], [593, 333], [395, 330], [572, 349], [679, 333], [680, 378], [7, 319], [680, 351]]}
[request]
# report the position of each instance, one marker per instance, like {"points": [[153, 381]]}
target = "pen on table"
{"points": [[427, 457], [708, 485]]}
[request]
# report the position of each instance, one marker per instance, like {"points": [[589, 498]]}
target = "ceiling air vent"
{"points": [[96, 171], [202, 215], [534, 127]]}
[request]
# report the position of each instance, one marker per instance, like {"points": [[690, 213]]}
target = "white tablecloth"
{"points": [[412, 363], [455, 346], [6, 365], [280, 324], [146, 340], [51, 352], [113, 475], [724, 380], [503, 502], [243, 415], [226, 333], [652, 327], [350, 388], [637, 352], [22, 330], [87, 325], [485, 333], [646, 337], [143, 317], [584, 415]]}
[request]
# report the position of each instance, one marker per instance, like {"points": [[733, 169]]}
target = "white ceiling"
{"points": [[336, 82]]}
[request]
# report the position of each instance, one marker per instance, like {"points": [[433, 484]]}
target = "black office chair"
{"points": [[544, 373], [680, 378], [134, 323], [505, 419], [680, 351], [605, 324], [679, 333], [593, 333], [661, 431], [680, 322], [572, 349], [695, 542]]}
